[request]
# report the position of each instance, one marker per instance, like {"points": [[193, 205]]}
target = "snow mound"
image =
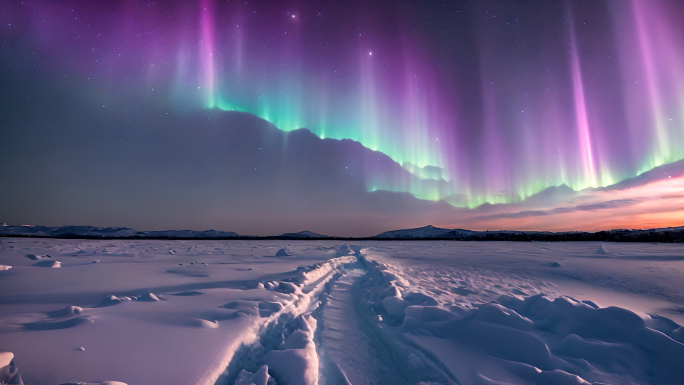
{"points": [[297, 362], [110, 300], [8, 372], [149, 297], [66, 312], [50, 264], [600, 250], [5, 358], [284, 252], [535, 339], [34, 257], [284, 287], [545, 341], [261, 377], [202, 323]]}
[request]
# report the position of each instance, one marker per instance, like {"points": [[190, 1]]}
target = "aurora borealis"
{"points": [[479, 102]]}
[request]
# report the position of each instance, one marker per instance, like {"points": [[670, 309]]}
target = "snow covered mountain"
{"points": [[66, 231], [669, 234], [171, 234], [108, 232], [426, 232], [303, 235], [431, 232]]}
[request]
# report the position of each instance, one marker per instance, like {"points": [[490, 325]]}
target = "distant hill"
{"points": [[666, 235], [427, 232], [108, 232], [431, 232], [303, 235], [669, 234]]}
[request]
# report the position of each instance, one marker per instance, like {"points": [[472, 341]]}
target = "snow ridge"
{"points": [[535, 339], [283, 347], [354, 318]]}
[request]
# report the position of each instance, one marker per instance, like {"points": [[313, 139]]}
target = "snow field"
{"points": [[222, 312]]}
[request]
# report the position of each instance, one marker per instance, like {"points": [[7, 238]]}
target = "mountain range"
{"points": [[670, 234]]}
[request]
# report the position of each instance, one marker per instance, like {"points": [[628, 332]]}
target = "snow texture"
{"points": [[424, 312]]}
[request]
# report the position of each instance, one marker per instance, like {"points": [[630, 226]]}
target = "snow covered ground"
{"points": [[308, 312]]}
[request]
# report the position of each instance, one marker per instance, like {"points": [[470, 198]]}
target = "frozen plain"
{"points": [[308, 312]]}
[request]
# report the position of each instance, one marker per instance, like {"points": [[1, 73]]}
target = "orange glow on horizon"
{"points": [[653, 205]]}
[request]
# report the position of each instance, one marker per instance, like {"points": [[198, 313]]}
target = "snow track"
{"points": [[353, 320], [285, 340], [329, 334], [342, 332]]}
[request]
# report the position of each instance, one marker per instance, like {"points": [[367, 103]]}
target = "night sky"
{"points": [[343, 117]]}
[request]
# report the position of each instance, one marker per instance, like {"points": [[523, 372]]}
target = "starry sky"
{"points": [[342, 117]]}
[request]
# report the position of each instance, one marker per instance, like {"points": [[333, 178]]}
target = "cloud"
{"points": [[659, 203], [561, 210]]}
